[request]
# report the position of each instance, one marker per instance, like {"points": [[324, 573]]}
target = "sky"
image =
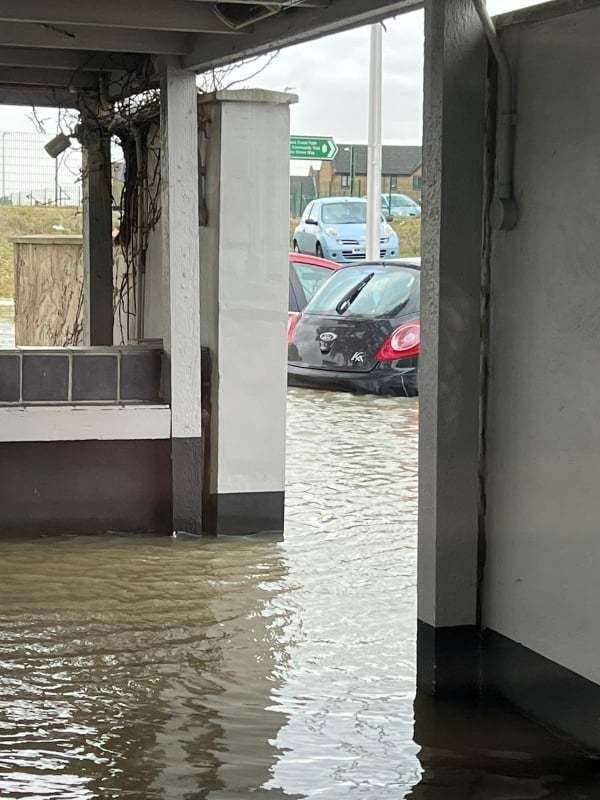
{"points": [[330, 77]]}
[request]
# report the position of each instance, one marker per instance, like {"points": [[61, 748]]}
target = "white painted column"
{"points": [[244, 245], [449, 372], [181, 289]]}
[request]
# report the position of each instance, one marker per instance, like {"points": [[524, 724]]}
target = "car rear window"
{"points": [[386, 294], [311, 278]]}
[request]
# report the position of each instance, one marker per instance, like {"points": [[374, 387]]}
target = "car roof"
{"points": [[315, 261], [327, 200], [412, 263]]}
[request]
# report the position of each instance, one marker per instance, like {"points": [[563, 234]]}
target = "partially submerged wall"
{"points": [[541, 587]]}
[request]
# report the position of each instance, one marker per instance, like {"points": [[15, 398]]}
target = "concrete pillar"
{"points": [[244, 244], [449, 381], [181, 290], [97, 238]]}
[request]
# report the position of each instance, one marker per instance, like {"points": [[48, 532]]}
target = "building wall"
{"points": [[541, 587], [330, 183]]}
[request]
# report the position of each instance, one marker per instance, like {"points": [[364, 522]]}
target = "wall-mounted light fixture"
{"points": [[58, 145]]}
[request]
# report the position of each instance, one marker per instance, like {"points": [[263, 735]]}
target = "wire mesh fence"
{"points": [[30, 177]]}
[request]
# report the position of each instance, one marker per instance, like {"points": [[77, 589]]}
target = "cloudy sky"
{"points": [[330, 77]]}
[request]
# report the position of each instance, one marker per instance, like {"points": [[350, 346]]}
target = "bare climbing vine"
{"points": [[125, 111]]}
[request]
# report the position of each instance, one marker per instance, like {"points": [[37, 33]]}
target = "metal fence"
{"points": [[30, 177], [302, 194]]}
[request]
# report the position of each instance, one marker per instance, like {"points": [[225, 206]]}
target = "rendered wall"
{"points": [[541, 585]]}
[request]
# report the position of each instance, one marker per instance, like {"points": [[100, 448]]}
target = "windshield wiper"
{"points": [[351, 296]]}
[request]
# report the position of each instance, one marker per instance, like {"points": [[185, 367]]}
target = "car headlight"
{"points": [[331, 232], [388, 230]]}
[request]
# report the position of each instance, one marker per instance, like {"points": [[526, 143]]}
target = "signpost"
{"points": [[313, 148]]}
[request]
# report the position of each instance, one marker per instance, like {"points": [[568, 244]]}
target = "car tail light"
{"points": [[404, 342], [293, 320]]}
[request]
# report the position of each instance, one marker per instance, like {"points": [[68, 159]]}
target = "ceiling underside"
{"points": [[52, 50]]}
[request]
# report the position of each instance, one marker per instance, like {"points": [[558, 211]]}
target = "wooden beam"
{"points": [[282, 3], [16, 34], [58, 78], [543, 12], [293, 26], [176, 15], [36, 96], [69, 60], [97, 240]]}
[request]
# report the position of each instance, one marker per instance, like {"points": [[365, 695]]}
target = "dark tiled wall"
{"points": [[127, 375]]}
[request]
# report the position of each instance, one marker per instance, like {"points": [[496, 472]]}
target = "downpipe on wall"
{"points": [[504, 213]]}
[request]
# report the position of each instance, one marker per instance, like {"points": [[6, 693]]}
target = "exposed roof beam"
{"points": [[175, 15], [35, 96], [542, 12], [70, 60], [292, 27], [16, 34], [281, 3], [58, 78]]}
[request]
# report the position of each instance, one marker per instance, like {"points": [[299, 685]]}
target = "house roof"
{"points": [[397, 159]]}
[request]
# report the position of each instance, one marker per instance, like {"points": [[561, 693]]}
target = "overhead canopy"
{"points": [[52, 50]]}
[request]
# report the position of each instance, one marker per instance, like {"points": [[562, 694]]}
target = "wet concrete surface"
{"points": [[138, 668]]}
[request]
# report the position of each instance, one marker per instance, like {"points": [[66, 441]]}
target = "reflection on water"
{"points": [[141, 668], [7, 331]]}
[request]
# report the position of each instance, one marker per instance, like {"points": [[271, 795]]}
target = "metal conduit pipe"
{"points": [[504, 213]]}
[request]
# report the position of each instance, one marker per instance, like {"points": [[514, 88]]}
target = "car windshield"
{"points": [[402, 201], [344, 213], [383, 295]]}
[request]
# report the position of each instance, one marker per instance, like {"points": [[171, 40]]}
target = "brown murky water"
{"points": [[135, 668]]}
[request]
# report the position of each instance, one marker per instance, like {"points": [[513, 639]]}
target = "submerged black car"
{"points": [[361, 331]]}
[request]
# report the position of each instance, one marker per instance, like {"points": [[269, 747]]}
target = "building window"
{"points": [[345, 181], [417, 182], [393, 182]]}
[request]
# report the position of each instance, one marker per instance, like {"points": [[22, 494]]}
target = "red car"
{"points": [[307, 275]]}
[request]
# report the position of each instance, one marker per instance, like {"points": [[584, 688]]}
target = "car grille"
{"points": [[355, 242], [359, 256]]}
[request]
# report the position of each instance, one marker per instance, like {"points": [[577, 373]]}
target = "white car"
{"points": [[399, 205]]}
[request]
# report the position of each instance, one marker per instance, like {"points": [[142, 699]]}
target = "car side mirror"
{"points": [[389, 218]]}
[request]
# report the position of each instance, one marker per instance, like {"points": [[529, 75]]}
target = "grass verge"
{"points": [[27, 220]]}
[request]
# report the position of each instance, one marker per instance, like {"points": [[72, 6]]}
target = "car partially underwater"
{"points": [[361, 331]]}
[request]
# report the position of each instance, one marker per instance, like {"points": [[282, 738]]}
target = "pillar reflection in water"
{"points": [[137, 667], [486, 751], [147, 668], [350, 550]]}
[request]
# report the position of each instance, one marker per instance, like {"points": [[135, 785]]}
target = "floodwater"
{"points": [[146, 668], [7, 331]]}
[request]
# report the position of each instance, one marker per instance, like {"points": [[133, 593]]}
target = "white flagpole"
{"points": [[374, 156]]}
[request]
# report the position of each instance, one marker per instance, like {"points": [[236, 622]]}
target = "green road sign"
{"points": [[313, 148]]}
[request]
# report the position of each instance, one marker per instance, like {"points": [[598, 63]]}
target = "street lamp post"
{"points": [[374, 159], [350, 149]]}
